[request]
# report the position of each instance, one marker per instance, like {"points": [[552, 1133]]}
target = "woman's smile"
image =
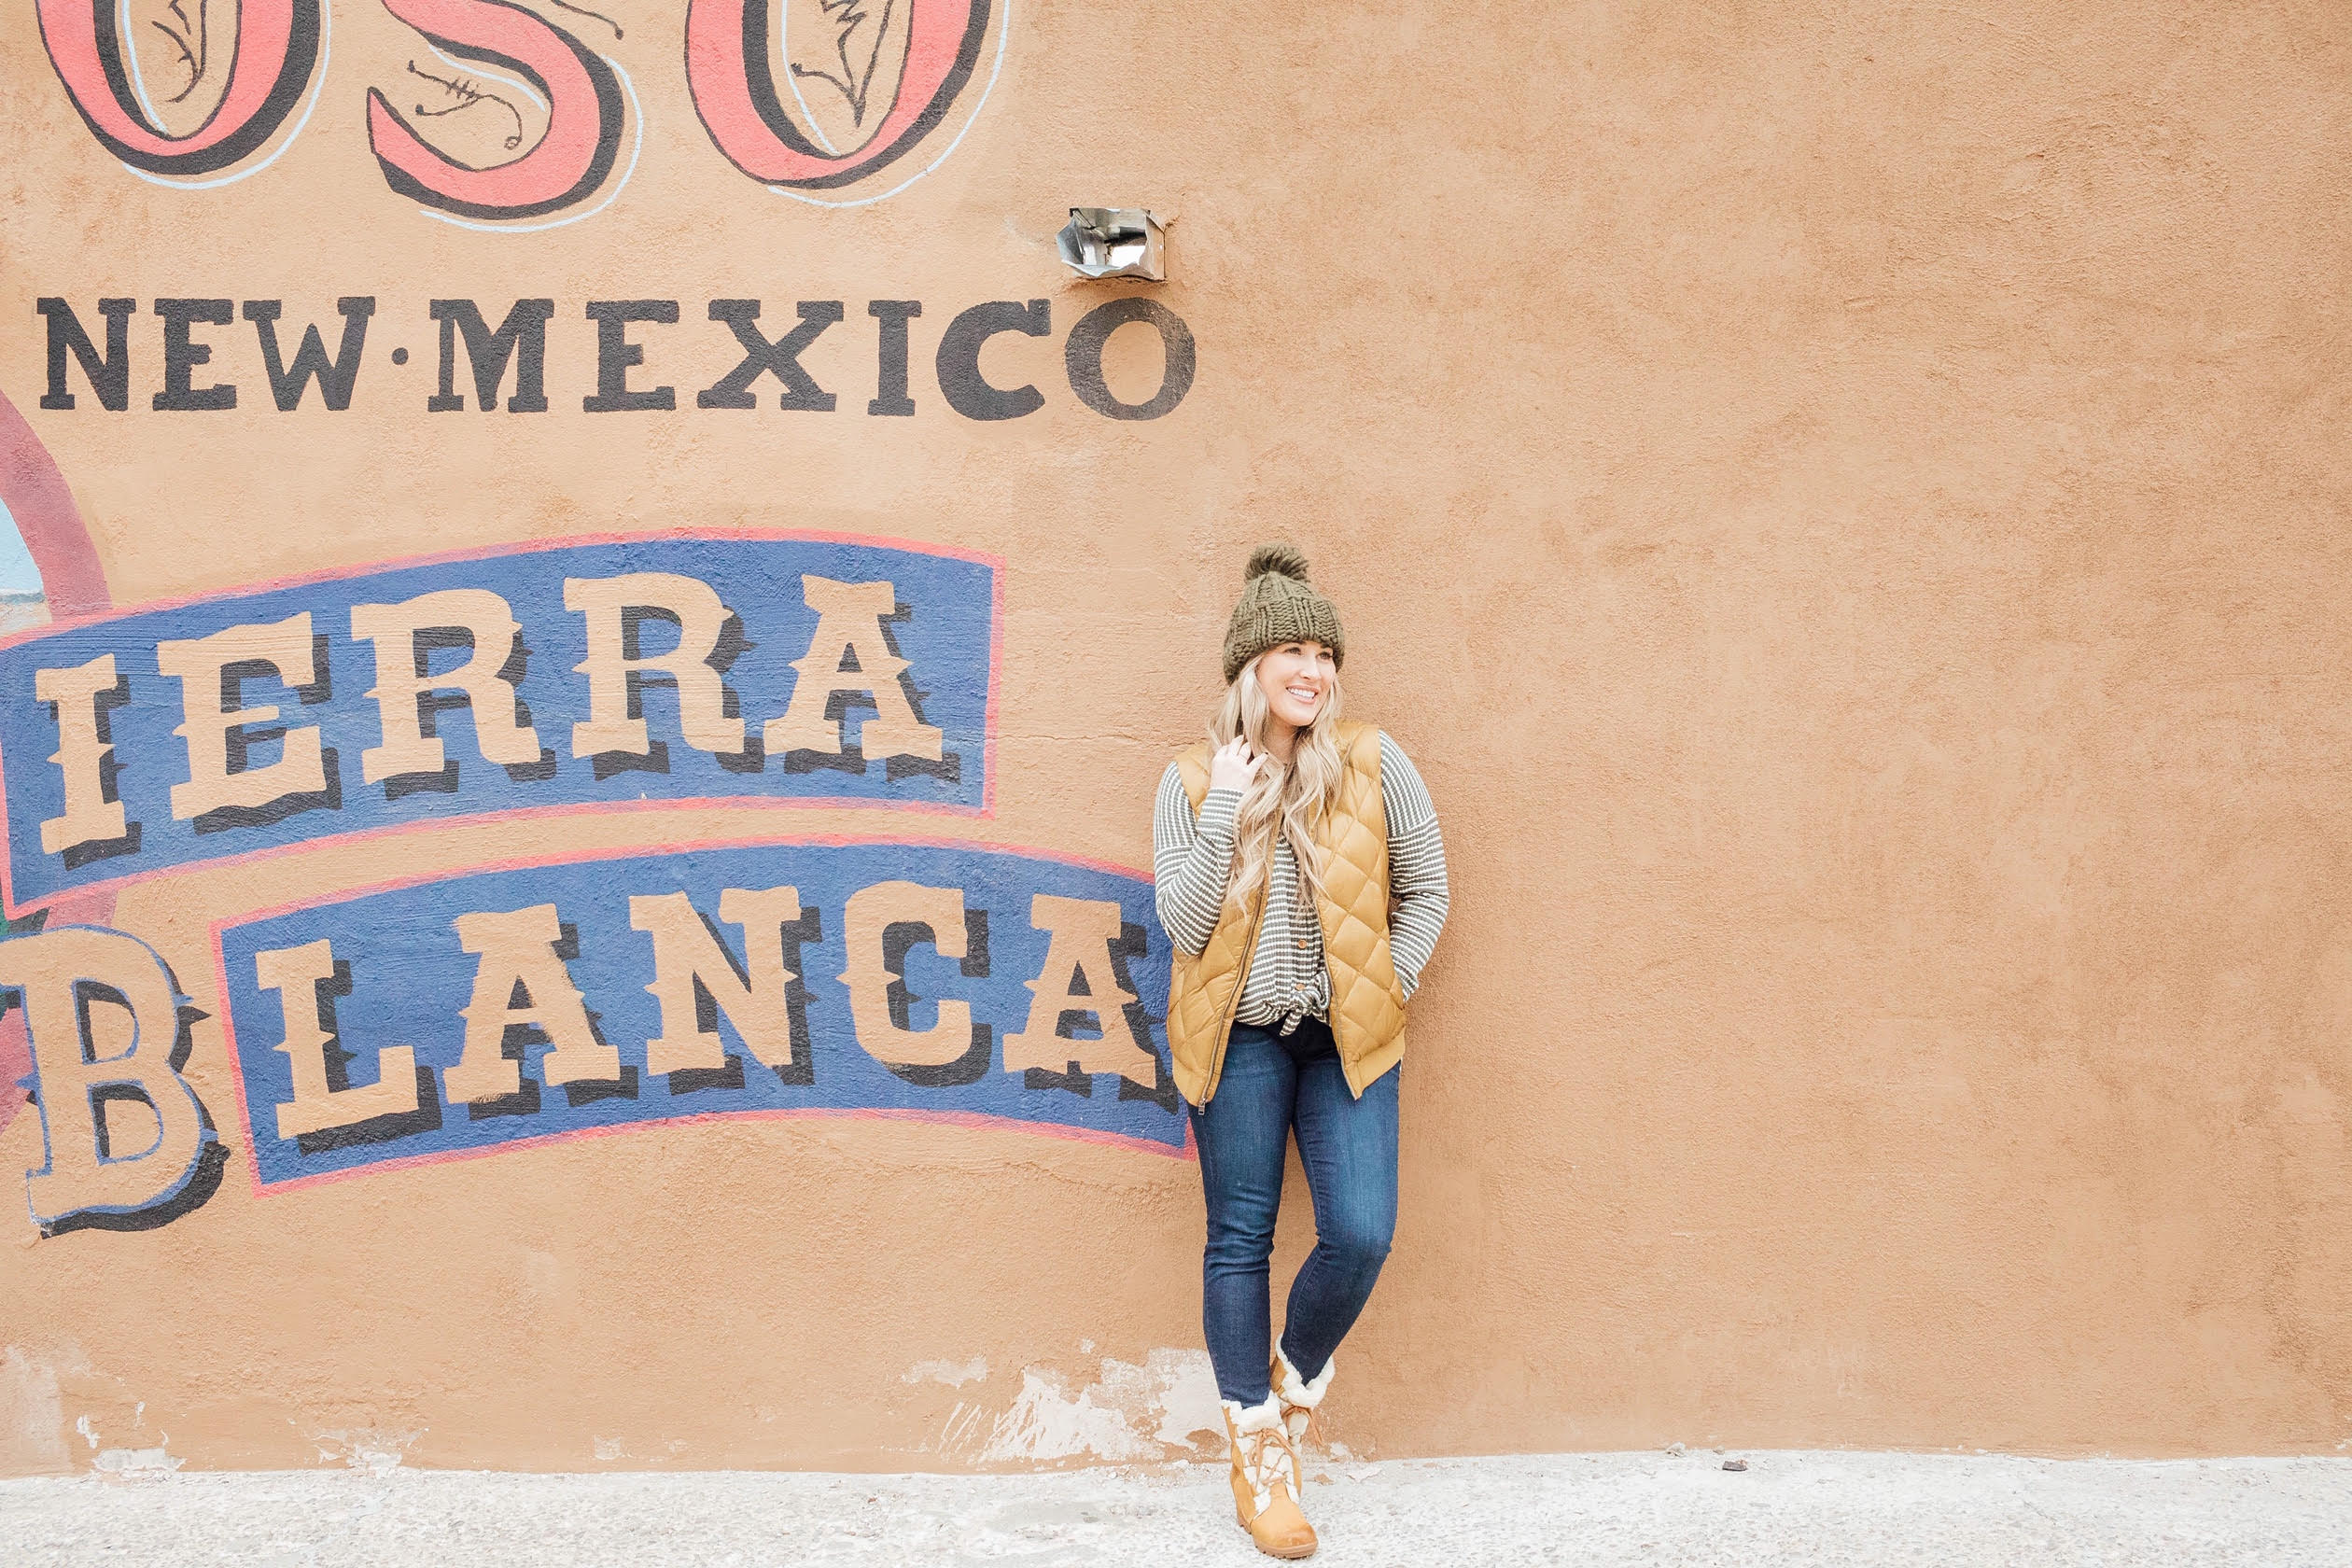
{"points": [[1295, 677]]}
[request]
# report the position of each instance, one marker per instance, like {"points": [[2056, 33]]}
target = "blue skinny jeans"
{"points": [[1274, 1085]]}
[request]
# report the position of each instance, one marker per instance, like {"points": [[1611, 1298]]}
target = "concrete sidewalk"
{"points": [[1835, 1511]]}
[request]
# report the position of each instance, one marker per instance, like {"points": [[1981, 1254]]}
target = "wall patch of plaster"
{"points": [[1190, 1410], [1147, 1412], [374, 1449], [1046, 1423], [953, 1374], [31, 1412], [134, 1463]]}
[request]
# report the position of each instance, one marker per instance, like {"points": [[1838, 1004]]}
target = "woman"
{"points": [[1302, 881]]}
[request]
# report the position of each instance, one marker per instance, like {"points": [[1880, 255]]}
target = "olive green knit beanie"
{"points": [[1277, 606]]}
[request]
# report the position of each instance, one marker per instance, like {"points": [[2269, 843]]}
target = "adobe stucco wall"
{"points": [[1845, 503]]}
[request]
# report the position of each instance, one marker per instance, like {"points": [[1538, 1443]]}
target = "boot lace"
{"points": [[1266, 1462], [1309, 1433]]}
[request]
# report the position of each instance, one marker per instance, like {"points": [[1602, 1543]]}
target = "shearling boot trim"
{"points": [[1294, 1390], [1256, 1417]]}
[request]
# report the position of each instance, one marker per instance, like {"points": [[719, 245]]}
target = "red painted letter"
{"points": [[732, 82], [275, 47], [584, 122]]}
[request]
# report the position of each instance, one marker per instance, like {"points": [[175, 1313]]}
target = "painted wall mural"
{"points": [[455, 1015], [51, 570], [498, 354], [605, 673], [459, 1014], [242, 77], [126, 1143], [487, 731], [580, 99], [562, 676], [621, 672], [867, 84], [503, 117]]}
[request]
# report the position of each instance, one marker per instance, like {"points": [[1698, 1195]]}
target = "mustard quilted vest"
{"points": [[1368, 1005]]}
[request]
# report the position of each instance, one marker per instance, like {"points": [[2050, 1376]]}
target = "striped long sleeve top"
{"points": [[1192, 862]]}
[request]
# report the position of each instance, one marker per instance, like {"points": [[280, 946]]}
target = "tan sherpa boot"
{"points": [[1299, 1398], [1265, 1480]]}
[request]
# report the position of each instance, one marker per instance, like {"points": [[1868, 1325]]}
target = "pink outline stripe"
{"points": [[976, 1119], [73, 583], [37, 497], [985, 809]]}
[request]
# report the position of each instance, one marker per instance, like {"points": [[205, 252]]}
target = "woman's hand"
{"points": [[1234, 765]]}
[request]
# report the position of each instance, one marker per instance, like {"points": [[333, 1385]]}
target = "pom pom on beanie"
{"points": [[1287, 559]]}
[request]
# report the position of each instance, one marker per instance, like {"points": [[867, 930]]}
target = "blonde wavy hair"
{"points": [[1288, 799]]}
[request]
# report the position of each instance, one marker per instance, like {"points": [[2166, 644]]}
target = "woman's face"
{"points": [[1297, 681]]}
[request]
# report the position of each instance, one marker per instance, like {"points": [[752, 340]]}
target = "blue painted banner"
{"points": [[584, 674], [939, 980]]}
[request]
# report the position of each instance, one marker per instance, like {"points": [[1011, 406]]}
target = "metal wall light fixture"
{"points": [[1115, 241]]}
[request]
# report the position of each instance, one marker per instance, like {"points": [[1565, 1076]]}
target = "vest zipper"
{"points": [[1331, 1008], [1240, 984]]}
